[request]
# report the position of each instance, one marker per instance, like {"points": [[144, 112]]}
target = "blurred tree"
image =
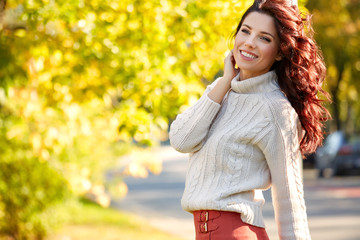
{"points": [[80, 80], [337, 27], [27, 188]]}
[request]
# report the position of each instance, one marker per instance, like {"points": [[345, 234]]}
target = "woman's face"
{"points": [[256, 45]]}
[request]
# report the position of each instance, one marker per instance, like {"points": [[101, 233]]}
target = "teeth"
{"points": [[248, 55]]}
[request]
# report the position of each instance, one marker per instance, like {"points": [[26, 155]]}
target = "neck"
{"points": [[246, 75], [262, 83]]}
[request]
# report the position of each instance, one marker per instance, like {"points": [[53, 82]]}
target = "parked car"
{"points": [[340, 154]]}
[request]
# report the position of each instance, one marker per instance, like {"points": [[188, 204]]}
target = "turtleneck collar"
{"points": [[259, 84]]}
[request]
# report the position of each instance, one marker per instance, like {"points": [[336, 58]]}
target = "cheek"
{"points": [[238, 40], [270, 51]]}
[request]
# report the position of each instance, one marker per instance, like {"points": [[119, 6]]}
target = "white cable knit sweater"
{"points": [[241, 147]]}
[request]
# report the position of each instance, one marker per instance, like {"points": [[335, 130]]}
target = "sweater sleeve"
{"points": [[190, 128], [282, 152]]}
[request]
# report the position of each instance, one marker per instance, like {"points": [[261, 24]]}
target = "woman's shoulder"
{"points": [[280, 107]]}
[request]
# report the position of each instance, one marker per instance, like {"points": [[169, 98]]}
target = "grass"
{"points": [[92, 222]]}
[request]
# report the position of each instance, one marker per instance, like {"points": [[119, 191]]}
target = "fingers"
{"points": [[230, 70], [230, 59], [231, 54]]}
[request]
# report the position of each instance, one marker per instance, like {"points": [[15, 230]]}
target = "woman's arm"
{"points": [[218, 93], [191, 127], [281, 148]]}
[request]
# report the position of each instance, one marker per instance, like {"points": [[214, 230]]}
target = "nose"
{"points": [[250, 42]]}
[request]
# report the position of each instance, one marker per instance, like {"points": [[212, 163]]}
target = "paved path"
{"points": [[333, 204]]}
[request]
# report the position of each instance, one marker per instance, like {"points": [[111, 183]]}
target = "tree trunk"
{"points": [[2, 8], [336, 101]]}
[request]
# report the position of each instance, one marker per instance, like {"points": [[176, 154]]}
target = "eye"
{"points": [[266, 39], [244, 30]]}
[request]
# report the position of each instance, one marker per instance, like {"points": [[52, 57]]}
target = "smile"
{"points": [[247, 55]]}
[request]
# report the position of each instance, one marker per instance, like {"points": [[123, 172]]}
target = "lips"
{"points": [[248, 55]]}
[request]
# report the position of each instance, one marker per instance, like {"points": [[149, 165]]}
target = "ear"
{"points": [[279, 56]]}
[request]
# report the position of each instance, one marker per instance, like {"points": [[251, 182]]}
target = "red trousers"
{"points": [[222, 225]]}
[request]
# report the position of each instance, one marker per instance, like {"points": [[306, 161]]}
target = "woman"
{"points": [[251, 126]]}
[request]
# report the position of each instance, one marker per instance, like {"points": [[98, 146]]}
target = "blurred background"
{"points": [[88, 90]]}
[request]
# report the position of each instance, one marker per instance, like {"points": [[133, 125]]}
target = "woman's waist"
{"points": [[250, 212]]}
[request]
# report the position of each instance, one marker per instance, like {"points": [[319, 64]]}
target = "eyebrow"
{"points": [[260, 32]]}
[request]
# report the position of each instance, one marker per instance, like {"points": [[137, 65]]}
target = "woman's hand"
{"points": [[222, 87], [229, 67]]}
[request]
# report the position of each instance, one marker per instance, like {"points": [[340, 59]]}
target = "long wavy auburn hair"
{"points": [[301, 71]]}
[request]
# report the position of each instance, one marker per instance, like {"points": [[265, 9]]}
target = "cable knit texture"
{"points": [[240, 148]]}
